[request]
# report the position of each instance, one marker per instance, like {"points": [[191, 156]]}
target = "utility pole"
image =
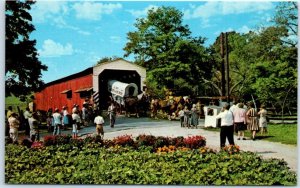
{"points": [[223, 84], [227, 68]]}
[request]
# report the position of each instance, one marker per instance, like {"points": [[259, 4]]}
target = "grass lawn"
{"points": [[283, 133]]}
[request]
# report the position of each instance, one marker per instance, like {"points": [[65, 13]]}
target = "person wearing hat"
{"points": [[14, 124], [226, 117], [263, 119], [57, 121]]}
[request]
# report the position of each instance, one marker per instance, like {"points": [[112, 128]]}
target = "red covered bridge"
{"points": [[90, 83]]}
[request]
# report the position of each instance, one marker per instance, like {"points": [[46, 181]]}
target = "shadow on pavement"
{"points": [[262, 137]]}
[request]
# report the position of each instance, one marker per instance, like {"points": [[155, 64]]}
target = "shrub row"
{"points": [[126, 165], [192, 142]]}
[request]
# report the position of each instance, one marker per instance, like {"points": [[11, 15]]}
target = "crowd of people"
{"points": [[14, 121], [85, 117], [239, 118], [57, 120]]}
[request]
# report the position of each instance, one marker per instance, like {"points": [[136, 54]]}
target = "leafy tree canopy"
{"points": [[164, 46], [263, 62], [23, 68]]}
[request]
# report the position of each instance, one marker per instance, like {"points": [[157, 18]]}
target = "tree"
{"points": [[275, 68], [107, 59], [240, 59], [164, 46], [23, 68], [287, 17]]}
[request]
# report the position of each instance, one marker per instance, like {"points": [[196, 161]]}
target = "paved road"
{"points": [[137, 126]]}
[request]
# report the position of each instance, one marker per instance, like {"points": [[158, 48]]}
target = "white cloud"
{"points": [[94, 11], [139, 13], [43, 10], [53, 49], [61, 23], [244, 29], [84, 32], [115, 39], [215, 8], [229, 29]]}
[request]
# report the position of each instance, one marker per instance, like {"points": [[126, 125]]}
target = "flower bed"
{"points": [[93, 161]]}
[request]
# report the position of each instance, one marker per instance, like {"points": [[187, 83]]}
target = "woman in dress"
{"points": [[186, 119], [194, 116], [252, 120], [65, 118], [263, 119]]}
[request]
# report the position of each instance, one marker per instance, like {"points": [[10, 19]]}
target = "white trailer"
{"points": [[210, 113]]}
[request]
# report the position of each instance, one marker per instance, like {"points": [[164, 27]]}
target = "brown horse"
{"points": [[131, 106]]}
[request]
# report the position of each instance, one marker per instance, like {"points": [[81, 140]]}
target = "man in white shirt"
{"points": [[76, 121], [99, 121], [226, 125], [233, 107], [57, 118]]}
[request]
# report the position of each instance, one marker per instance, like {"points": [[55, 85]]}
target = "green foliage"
{"points": [[22, 67], [121, 165], [283, 133], [173, 58], [287, 17], [263, 62]]}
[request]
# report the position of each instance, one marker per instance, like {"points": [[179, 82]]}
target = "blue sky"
{"points": [[74, 35]]}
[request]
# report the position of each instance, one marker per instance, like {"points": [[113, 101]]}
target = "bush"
{"points": [[231, 149], [177, 141], [124, 140], [125, 165], [8, 140], [161, 141], [194, 142], [93, 139], [37, 145], [77, 142], [145, 140], [62, 139], [49, 140], [26, 142]]}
